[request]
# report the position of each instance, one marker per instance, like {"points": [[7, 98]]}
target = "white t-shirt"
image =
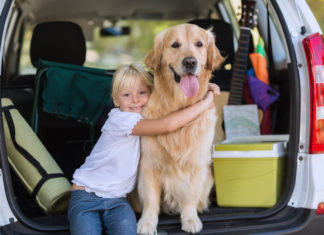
{"points": [[110, 170]]}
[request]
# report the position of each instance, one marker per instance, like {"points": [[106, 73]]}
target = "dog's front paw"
{"points": [[192, 225], [146, 227]]}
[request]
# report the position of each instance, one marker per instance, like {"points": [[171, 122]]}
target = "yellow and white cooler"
{"points": [[248, 174]]}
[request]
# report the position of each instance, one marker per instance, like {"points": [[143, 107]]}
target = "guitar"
{"points": [[247, 22]]}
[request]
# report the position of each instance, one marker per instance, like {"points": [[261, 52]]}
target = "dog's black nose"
{"points": [[189, 62]]}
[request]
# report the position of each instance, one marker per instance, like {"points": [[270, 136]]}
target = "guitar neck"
{"points": [[240, 63]]}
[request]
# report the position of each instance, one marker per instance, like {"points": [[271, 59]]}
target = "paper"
{"points": [[241, 120]]}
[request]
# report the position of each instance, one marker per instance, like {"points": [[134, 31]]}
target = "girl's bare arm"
{"points": [[173, 121]]}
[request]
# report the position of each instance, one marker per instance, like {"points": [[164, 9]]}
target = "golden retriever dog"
{"points": [[175, 169]]}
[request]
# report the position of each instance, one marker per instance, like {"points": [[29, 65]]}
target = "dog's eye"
{"points": [[175, 45], [199, 44]]}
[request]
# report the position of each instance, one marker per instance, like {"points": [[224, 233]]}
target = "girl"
{"points": [[98, 199]]}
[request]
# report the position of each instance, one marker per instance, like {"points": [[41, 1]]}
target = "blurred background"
{"points": [[112, 52], [317, 7]]}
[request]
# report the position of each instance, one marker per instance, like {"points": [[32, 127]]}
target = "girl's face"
{"points": [[134, 99]]}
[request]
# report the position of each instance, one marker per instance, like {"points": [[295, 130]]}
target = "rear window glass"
{"points": [[110, 52]]}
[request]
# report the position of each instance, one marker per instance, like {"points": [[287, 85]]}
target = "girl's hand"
{"points": [[208, 100], [214, 88]]}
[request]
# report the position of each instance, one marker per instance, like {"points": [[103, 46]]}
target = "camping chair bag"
{"points": [[73, 91], [33, 164]]}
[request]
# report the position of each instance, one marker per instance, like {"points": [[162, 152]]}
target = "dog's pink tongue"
{"points": [[189, 84]]}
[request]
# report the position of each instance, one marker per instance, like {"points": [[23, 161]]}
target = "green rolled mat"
{"points": [[33, 164]]}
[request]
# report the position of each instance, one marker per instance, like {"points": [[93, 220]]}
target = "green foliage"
{"points": [[317, 6], [112, 52]]}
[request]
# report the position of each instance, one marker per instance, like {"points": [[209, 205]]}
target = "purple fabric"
{"points": [[262, 93]]}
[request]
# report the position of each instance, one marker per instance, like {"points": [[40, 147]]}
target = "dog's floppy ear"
{"points": [[153, 58], [214, 58]]}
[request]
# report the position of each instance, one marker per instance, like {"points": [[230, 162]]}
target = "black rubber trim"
{"points": [[294, 120], [292, 221], [295, 221]]}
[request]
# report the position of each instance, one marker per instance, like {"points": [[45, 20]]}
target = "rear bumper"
{"points": [[293, 221]]}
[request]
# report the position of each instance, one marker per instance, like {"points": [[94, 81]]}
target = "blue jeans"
{"points": [[90, 214]]}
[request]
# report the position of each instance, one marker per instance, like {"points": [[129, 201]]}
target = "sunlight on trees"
{"points": [[317, 6]]}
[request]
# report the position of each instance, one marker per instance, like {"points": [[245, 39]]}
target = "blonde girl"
{"points": [[98, 199]]}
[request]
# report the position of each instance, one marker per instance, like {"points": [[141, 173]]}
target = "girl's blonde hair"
{"points": [[125, 76]]}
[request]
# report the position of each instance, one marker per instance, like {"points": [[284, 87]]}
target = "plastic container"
{"points": [[248, 174]]}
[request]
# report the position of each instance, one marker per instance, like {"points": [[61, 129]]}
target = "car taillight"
{"points": [[314, 49], [320, 208]]}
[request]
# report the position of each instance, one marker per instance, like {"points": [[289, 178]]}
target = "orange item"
{"points": [[260, 67]]}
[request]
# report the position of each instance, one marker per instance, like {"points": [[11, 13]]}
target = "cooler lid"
{"points": [[247, 150]]}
